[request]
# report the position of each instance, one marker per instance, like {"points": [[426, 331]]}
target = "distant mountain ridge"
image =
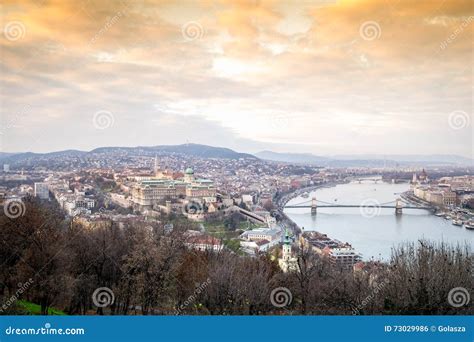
{"points": [[206, 151], [371, 160], [300, 158], [196, 150]]}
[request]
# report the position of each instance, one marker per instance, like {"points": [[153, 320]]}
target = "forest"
{"points": [[61, 266]]}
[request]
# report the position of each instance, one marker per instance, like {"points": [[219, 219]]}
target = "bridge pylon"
{"points": [[398, 206], [314, 206]]}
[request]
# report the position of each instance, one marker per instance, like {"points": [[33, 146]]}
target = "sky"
{"points": [[324, 77]]}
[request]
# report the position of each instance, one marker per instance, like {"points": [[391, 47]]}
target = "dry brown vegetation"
{"points": [[153, 272]]}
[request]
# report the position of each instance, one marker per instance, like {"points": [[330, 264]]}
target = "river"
{"points": [[373, 233]]}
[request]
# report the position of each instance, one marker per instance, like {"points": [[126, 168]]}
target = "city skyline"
{"points": [[326, 77]]}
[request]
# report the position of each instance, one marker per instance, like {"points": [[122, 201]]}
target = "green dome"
{"points": [[189, 171]]}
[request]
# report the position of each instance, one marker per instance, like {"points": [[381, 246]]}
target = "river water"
{"points": [[372, 232]]}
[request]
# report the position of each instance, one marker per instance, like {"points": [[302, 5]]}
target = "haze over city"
{"points": [[323, 77]]}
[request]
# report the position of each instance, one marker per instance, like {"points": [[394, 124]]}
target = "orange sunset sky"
{"points": [[325, 77]]}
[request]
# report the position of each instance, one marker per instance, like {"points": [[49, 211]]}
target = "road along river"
{"points": [[373, 232]]}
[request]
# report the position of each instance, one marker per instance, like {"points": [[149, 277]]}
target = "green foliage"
{"points": [[35, 309], [233, 245]]}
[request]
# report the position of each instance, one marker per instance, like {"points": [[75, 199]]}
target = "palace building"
{"points": [[153, 191]]}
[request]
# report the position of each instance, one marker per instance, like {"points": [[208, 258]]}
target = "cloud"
{"points": [[254, 66]]}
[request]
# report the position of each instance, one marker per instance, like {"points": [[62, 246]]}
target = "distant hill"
{"points": [[196, 150], [297, 158], [201, 151], [406, 158], [367, 160], [205, 151]]}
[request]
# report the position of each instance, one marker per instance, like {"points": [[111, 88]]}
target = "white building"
{"points": [[42, 190], [80, 205], [269, 234], [288, 262], [204, 243], [344, 257], [248, 200]]}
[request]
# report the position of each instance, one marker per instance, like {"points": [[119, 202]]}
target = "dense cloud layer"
{"points": [[370, 76]]}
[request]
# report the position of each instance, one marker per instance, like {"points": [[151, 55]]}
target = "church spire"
{"points": [[287, 240], [157, 166]]}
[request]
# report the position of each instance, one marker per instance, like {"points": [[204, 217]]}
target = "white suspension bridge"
{"points": [[399, 205]]}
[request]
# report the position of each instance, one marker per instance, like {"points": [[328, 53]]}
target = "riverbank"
{"points": [[459, 216], [282, 201], [285, 220], [374, 233]]}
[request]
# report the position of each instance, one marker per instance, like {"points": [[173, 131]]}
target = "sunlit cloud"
{"points": [[258, 74]]}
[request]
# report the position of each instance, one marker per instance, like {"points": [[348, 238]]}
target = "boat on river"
{"points": [[469, 225]]}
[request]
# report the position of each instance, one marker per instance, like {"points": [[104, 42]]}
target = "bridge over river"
{"points": [[398, 205]]}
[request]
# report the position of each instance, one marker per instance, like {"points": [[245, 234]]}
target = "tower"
{"points": [[189, 175], [286, 253], [423, 177], [313, 206], [158, 171], [398, 207], [287, 262], [157, 165]]}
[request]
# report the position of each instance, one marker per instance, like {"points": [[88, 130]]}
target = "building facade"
{"points": [[42, 190], [440, 196], [153, 191]]}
